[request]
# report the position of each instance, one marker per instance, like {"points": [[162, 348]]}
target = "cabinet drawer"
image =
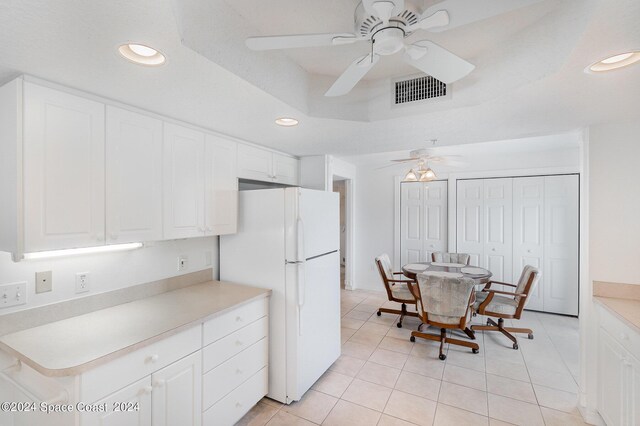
{"points": [[226, 324], [230, 374], [624, 335], [105, 379], [235, 405], [223, 349]]}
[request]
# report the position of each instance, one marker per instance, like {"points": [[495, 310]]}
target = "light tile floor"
{"points": [[383, 379]]}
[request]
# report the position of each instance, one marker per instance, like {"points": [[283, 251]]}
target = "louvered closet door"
{"points": [[560, 270], [498, 242], [435, 217], [528, 229], [470, 220], [411, 222]]}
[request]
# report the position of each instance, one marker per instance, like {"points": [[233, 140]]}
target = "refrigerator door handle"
{"points": [[301, 295], [300, 242]]}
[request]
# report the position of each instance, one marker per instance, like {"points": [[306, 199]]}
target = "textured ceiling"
{"points": [[529, 80]]}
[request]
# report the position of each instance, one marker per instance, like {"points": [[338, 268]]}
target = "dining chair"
{"points": [[445, 303], [397, 289], [506, 305], [450, 257]]}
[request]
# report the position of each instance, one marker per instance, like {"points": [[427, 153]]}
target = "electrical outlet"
{"points": [[82, 282], [44, 281], [13, 294], [207, 258], [183, 263]]}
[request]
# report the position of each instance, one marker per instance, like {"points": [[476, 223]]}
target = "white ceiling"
{"points": [[529, 78]]}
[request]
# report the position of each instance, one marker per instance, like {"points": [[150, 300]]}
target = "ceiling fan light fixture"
{"points": [[286, 121], [614, 62], [427, 175], [141, 54], [411, 176]]}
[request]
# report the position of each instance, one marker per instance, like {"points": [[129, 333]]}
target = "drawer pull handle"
{"points": [[238, 405], [238, 371], [159, 383], [152, 358], [239, 319], [146, 390], [624, 336], [239, 343]]}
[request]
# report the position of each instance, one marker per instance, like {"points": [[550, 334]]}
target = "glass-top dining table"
{"points": [[480, 275]]}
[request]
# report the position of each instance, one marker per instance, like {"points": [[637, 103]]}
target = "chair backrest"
{"points": [[445, 300], [384, 266], [450, 257], [528, 279]]}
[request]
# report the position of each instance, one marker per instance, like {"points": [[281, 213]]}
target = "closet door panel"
{"points": [[435, 218], [498, 228], [528, 227], [411, 222], [470, 220]]}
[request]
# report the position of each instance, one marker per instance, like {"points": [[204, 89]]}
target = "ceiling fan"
{"points": [[386, 24], [422, 158]]}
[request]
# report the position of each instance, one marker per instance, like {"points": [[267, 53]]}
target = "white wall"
{"points": [[374, 202], [108, 271], [614, 150]]}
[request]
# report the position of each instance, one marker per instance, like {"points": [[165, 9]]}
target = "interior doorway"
{"points": [[340, 185]]}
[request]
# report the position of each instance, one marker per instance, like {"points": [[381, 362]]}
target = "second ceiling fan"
{"points": [[386, 24]]}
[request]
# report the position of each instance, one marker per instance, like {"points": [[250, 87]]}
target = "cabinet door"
{"points": [[183, 182], [254, 163], [528, 227], [177, 393], [498, 228], [611, 386], [134, 177], [63, 170], [470, 220], [561, 244], [221, 192], [285, 169], [411, 222], [135, 400], [632, 411]]}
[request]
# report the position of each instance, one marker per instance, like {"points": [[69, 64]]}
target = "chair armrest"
{"points": [[504, 292], [398, 273], [501, 283], [401, 281]]}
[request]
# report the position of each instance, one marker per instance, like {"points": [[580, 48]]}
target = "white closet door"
{"points": [[528, 229], [134, 177], [498, 227], [411, 222], [435, 217], [560, 270], [470, 220]]}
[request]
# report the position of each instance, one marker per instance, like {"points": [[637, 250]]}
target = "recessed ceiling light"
{"points": [[614, 62], [141, 54], [286, 121]]}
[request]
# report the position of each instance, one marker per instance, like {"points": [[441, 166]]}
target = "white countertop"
{"points": [[74, 345], [627, 310]]}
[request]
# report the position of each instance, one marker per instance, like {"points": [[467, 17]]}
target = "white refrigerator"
{"points": [[288, 241]]}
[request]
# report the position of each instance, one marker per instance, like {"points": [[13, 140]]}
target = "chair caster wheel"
{"points": [[442, 357], [530, 336], [412, 338], [515, 346], [475, 351], [399, 325], [379, 313]]}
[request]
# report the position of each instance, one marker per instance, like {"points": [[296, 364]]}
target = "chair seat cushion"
{"points": [[499, 304], [401, 291]]}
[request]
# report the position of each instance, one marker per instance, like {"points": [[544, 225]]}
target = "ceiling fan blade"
{"points": [[405, 160], [383, 9], [300, 40], [463, 12], [356, 71], [437, 61], [427, 22]]}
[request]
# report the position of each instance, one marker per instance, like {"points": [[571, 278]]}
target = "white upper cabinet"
{"points": [[64, 170], [260, 164], [134, 176], [221, 186], [184, 182]]}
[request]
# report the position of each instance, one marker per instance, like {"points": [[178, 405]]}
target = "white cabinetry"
{"points": [[134, 171], [260, 164], [507, 223], [423, 226], [183, 182], [618, 371], [221, 186], [136, 396], [64, 169], [177, 393]]}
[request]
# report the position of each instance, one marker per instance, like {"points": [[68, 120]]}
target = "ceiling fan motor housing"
{"points": [[366, 26]]}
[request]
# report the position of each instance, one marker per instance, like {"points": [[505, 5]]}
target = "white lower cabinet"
{"points": [[135, 400], [618, 372], [177, 393]]}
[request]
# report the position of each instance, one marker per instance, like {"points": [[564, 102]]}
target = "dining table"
{"points": [[479, 275]]}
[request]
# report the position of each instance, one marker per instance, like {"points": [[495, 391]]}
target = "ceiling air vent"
{"points": [[418, 89]]}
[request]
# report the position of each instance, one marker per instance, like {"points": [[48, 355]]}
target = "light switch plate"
{"points": [[13, 294], [82, 282], [44, 281], [183, 263]]}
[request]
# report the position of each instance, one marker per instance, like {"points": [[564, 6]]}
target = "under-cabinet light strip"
{"points": [[79, 251]]}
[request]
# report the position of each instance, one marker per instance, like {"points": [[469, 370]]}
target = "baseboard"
{"points": [[591, 416]]}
